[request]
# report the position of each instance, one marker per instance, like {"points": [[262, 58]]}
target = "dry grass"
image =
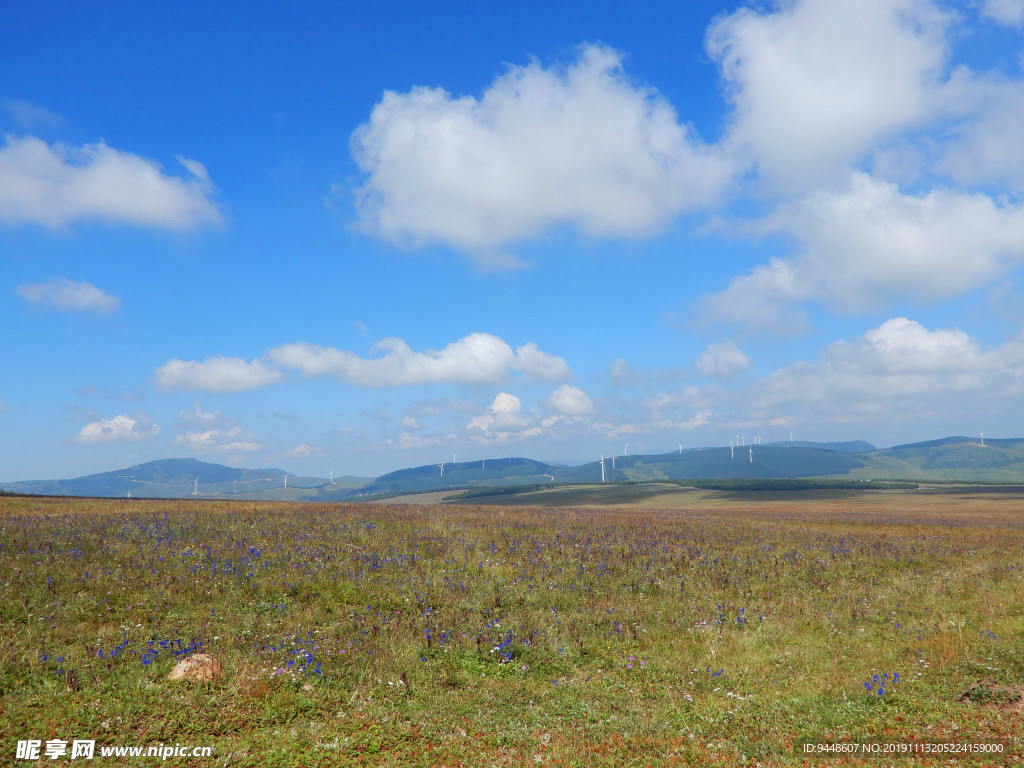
{"points": [[711, 628]]}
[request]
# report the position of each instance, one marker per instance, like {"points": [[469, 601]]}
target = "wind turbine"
{"points": [[731, 455], [332, 476], [285, 480], [680, 449], [441, 465], [982, 439], [751, 455], [195, 490], [602, 466], [625, 450], [236, 485], [613, 461]]}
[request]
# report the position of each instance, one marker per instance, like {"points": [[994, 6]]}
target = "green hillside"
{"points": [[463, 474], [185, 478], [756, 461], [951, 459]]}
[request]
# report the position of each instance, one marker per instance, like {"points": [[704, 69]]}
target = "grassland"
{"points": [[691, 628]]}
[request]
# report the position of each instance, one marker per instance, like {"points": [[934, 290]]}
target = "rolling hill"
{"points": [[951, 459]]}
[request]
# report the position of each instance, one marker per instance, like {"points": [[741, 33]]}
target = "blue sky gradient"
{"points": [[364, 237]]}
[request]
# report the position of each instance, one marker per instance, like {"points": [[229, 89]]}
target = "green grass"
{"points": [[395, 636]]}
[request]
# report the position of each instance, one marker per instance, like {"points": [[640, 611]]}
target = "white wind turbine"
{"points": [[731, 448], [625, 450], [602, 467], [285, 480], [982, 439], [195, 489], [680, 448], [751, 455], [613, 461], [332, 475], [441, 465]]}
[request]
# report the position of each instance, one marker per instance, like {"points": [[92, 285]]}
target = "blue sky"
{"points": [[362, 237]]}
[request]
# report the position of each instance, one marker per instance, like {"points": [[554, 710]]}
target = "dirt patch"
{"points": [[990, 693]]}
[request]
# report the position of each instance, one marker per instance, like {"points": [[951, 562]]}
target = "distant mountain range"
{"points": [[950, 459]]}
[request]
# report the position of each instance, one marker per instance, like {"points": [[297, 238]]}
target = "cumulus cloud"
{"points": [[504, 418], [215, 374], [1008, 12], [54, 185], [68, 295], [816, 84], [479, 358], [983, 145], [571, 401], [868, 244], [577, 145], [216, 441], [121, 428], [898, 368], [722, 360]]}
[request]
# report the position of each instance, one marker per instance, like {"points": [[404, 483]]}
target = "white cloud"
{"points": [[28, 115], [621, 374], [1008, 12], [56, 185], [816, 84], [578, 145], [303, 450], [479, 358], [505, 418], [869, 244], [215, 374], [229, 440], [571, 401], [64, 294], [197, 417], [409, 441], [722, 360], [121, 428], [899, 368], [534, 364], [984, 145]]}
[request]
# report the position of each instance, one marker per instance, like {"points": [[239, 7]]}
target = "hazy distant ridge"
{"points": [[947, 459]]}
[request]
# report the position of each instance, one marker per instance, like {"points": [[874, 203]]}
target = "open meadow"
{"points": [[705, 629]]}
